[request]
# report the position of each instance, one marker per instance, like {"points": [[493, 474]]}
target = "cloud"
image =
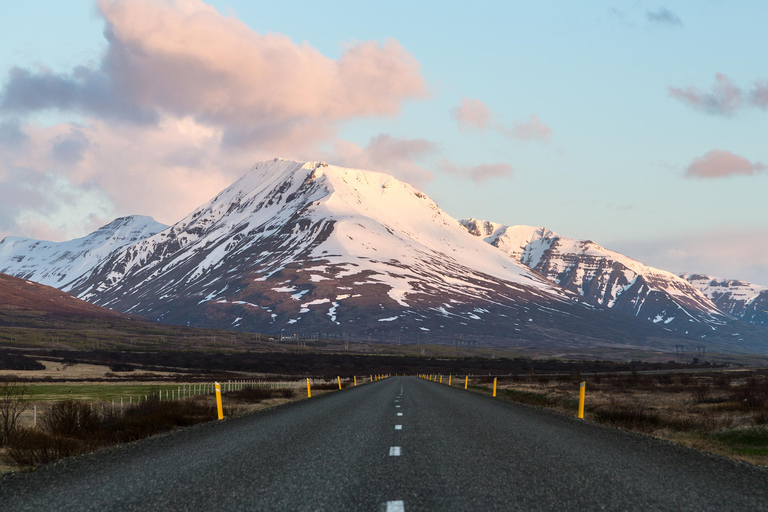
{"points": [[43, 205], [183, 101], [663, 16], [384, 153], [70, 148], [532, 129], [11, 135], [718, 164], [474, 114], [724, 99], [728, 252], [758, 96], [478, 173], [185, 59]]}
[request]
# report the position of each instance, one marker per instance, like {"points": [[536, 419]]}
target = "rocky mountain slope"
{"points": [[605, 278], [746, 301], [297, 248], [58, 263]]}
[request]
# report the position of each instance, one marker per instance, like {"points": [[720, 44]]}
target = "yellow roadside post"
{"points": [[309, 391], [355, 377], [466, 381], [494, 386], [219, 407], [441, 379], [582, 392], [339, 379], [371, 378], [449, 378]]}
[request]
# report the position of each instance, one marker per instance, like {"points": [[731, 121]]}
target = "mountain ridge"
{"points": [[306, 246]]}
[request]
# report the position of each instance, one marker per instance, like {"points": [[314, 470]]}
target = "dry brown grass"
{"points": [[60, 370], [719, 412]]}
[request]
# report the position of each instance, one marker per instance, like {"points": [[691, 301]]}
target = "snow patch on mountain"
{"points": [[57, 264], [600, 276]]}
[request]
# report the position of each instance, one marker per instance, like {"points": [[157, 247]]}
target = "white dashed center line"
{"points": [[395, 506], [398, 427], [397, 406], [394, 451], [399, 414]]}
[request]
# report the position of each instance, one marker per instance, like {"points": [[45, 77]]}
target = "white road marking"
{"points": [[394, 451], [397, 406], [399, 414], [398, 427], [395, 506]]}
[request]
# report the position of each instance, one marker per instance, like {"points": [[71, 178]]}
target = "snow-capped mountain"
{"points": [[58, 263], [604, 278], [297, 247], [307, 246], [746, 301]]}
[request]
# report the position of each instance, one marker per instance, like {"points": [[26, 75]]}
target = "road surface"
{"points": [[398, 444]]}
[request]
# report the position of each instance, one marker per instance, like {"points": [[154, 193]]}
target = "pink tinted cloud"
{"points": [[472, 113], [183, 58], [759, 95], [194, 61], [397, 156], [718, 164], [729, 252], [724, 99], [194, 98], [532, 129], [478, 173]]}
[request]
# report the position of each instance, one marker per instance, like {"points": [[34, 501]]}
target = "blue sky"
{"points": [[645, 151]]}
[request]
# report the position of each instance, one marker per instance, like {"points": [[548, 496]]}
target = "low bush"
{"points": [[71, 419], [29, 447], [256, 395], [628, 417]]}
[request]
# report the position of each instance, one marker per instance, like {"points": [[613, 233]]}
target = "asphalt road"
{"points": [[457, 451]]}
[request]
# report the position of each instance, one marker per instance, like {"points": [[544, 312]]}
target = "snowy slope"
{"points": [[58, 263], [308, 245], [746, 301], [603, 277]]}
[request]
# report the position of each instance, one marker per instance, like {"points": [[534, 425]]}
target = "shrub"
{"points": [[700, 392], [71, 419], [13, 402], [629, 417], [153, 416], [753, 393], [28, 447], [255, 395]]}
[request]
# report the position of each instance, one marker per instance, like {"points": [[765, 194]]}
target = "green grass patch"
{"points": [[753, 441], [103, 392]]}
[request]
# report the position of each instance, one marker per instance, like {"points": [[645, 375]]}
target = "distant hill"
{"points": [[22, 295]]}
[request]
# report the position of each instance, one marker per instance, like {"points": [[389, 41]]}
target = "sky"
{"points": [[642, 126]]}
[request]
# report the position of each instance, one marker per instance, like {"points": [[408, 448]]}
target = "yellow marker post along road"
{"points": [[494, 386], [466, 381], [339, 379], [582, 392], [449, 378], [309, 391], [355, 377], [441, 379], [219, 408]]}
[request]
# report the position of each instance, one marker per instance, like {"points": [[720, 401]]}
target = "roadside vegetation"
{"points": [[722, 412], [68, 427]]}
